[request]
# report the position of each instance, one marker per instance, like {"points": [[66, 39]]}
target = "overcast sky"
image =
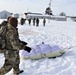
{"points": [[21, 6]]}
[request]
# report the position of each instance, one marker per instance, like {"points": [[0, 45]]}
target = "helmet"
{"points": [[13, 21]]}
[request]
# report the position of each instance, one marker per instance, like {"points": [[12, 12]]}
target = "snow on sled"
{"points": [[42, 51]]}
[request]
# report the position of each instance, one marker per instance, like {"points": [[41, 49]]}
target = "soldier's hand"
{"points": [[28, 49]]}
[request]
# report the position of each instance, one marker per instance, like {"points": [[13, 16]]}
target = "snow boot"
{"points": [[21, 71]]}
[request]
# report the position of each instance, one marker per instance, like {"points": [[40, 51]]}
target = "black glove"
{"points": [[24, 42], [28, 49]]}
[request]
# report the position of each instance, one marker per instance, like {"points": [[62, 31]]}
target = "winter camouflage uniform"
{"points": [[13, 45], [2, 34]]}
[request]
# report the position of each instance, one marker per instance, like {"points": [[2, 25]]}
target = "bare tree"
{"points": [[62, 14]]}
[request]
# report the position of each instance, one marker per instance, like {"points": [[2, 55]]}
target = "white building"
{"points": [[41, 16]]}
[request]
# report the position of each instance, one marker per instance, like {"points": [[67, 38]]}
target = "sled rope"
{"points": [[66, 49]]}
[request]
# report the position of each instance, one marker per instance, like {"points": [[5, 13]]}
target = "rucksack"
{"points": [[3, 30]]}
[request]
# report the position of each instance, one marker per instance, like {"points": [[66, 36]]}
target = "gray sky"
{"points": [[21, 6]]}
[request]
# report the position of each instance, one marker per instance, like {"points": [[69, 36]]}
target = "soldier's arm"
{"points": [[14, 40]]}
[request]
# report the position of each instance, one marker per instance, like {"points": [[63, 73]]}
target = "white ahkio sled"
{"points": [[42, 51]]}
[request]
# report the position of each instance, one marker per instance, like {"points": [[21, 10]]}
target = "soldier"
{"points": [[37, 22], [29, 20], [22, 21], [44, 21], [3, 27], [34, 22], [13, 45]]}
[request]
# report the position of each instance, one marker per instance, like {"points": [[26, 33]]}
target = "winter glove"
{"points": [[28, 49], [24, 42]]}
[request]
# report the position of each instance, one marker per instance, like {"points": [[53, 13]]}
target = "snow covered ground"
{"points": [[62, 33]]}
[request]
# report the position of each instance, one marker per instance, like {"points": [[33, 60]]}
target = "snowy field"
{"points": [[62, 33]]}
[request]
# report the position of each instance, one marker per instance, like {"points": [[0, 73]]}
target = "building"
{"points": [[4, 14]]}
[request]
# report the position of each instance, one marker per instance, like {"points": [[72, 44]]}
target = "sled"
{"points": [[54, 54], [42, 51]]}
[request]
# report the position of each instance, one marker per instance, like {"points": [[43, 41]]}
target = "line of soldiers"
{"points": [[35, 21]]}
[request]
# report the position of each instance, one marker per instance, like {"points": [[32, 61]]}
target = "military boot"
{"points": [[17, 73]]}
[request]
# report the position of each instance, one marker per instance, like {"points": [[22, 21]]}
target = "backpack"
{"points": [[3, 30]]}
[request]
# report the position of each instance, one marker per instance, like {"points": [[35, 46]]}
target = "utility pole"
{"points": [[27, 10], [50, 4], [49, 10]]}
